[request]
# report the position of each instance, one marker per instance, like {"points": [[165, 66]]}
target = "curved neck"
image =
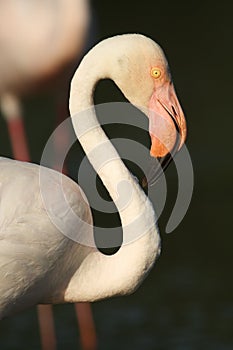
{"points": [[122, 187], [112, 274]]}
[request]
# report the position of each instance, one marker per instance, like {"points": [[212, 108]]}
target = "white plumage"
{"points": [[38, 39]]}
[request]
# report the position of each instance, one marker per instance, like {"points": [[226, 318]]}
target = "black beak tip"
{"points": [[161, 164]]}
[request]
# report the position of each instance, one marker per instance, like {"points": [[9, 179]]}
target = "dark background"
{"points": [[187, 300]]}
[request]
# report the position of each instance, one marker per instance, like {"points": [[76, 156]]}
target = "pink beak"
{"points": [[167, 125]]}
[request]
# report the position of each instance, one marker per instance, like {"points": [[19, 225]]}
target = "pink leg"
{"points": [[11, 110], [46, 327], [18, 139], [86, 323]]}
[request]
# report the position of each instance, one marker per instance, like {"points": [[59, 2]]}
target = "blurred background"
{"points": [[186, 302]]}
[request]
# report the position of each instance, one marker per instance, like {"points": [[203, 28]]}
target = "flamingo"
{"points": [[41, 39], [39, 262], [39, 48]]}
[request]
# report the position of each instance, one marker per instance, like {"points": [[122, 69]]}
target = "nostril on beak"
{"points": [[174, 111]]}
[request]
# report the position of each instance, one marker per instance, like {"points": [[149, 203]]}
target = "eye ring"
{"points": [[155, 72]]}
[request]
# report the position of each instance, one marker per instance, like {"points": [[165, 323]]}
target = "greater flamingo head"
{"points": [[141, 71], [139, 68]]}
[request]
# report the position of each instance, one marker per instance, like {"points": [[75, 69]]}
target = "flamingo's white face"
{"points": [[141, 71]]}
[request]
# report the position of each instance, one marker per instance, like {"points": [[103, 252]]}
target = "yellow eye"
{"points": [[155, 72]]}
